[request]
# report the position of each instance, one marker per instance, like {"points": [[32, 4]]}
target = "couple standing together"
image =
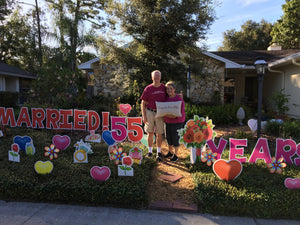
{"points": [[158, 92]]}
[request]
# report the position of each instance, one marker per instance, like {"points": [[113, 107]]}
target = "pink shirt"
{"points": [[177, 119], [153, 94]]}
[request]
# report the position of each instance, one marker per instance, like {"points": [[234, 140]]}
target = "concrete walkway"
{"points": [[26, 213]]}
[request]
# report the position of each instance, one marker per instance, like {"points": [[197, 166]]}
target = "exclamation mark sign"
{"points": [[105, 121]]}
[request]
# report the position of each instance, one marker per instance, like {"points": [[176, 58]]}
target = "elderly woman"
{"points": [[173, 123]]}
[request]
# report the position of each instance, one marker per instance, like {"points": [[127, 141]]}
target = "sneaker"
{"points": [[174, 158], [149, 155], [159, 157], [169, 155]]}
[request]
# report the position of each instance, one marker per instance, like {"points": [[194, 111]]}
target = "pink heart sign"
{"points": [[61, 142], [125, 108], [100, 173], [291, 183]]}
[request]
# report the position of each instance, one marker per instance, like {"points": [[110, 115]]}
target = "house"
{"points": [[231, 78], [14, 79], [240, 83]]}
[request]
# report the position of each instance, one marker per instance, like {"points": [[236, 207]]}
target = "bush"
{"points": [[220, 114], [9, 99], [286, 129], [70, 182]]}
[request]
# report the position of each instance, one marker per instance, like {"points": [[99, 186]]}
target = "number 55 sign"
{"points": [[133, 131]]}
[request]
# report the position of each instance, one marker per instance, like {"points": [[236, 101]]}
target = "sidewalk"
{"points": [[26, 213]]}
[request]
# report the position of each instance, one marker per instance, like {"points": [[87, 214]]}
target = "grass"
{"points": [[255, 193], [69, 182]]}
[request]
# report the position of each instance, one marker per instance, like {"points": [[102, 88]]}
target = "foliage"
{"points": [[57, 86], [9, 99], [286, 129], [68, 15], [286, 30], [160, 30], [219, 114], [70, 182], [252, 36], [280, 100]]}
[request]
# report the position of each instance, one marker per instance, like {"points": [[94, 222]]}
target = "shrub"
{"points": [[70, 182], [9, 99], [220, 114], [286, 129]]}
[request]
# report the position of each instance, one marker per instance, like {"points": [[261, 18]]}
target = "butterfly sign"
{"points": [[13, 154]]}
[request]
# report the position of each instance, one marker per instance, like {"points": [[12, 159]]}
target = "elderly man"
{"points": [[155, 92]]}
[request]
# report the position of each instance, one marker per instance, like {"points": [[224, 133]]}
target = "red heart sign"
{"points": [[100, 173], [61, 142], [291, 183], [125, 108], [227, 170]]}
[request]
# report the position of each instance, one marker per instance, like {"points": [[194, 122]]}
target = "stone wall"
{"points": [[104, 81], [203, 88]]}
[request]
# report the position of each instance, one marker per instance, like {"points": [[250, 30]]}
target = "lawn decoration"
{"points": [[81, 145], [41, 167], [227, 170], [106, 136], [276, 165], [61, 142], [93, 137], [13, 154], [117, 155], [125, 108], [291, 183], [51, 151], [252, 124], [195, 134], [136, 154], [80, 156], [29, 148], [209, 157], [110, 150], [125, 169], [21, 141], [144, 140], [82, 150], [100, 173]]}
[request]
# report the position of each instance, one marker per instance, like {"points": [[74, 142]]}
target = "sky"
{"points": [[231, 14]]}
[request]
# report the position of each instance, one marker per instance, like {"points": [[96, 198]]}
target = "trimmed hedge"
{"points": [[70, 182]]}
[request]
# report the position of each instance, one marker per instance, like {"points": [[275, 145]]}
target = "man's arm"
{"points": [[143, 107]]}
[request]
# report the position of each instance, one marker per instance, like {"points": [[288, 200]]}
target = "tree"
{"points": [[252, 36], [160, 30], [286, 30], [68, 16]]}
